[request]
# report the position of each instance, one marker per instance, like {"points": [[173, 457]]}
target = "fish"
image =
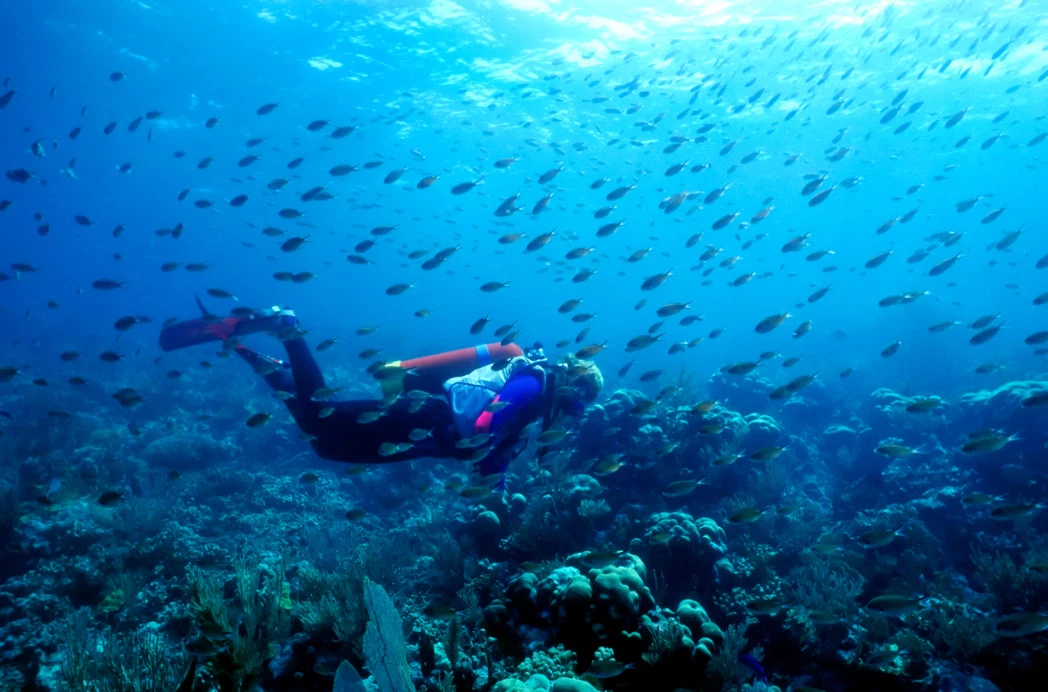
{"points": [[878, 538], [891, 349], [590, 351], [1015, 511], [643, 341], [394, 175], [939, 327], [923, 404], [767, 453], [463, 188], [1036, 400], [1021, 624], [293, 244], [257, 420], [681, 488], [654, 281], [985, 335], [476, 493], [550, 174], [110, 498], [771, 322], [607, 466], [821, 197], [619, 192], [896, 451], [727, 459], [368, 417], [878, 260], [389, 449], [818, 294], [979, 499], [741, 368], [754, 665], [822, 619], [983, 321], [802, 329], [988, 443], [551, 437], [746, 516], [539, 242], [893, 604], [607, 668], [944, 265]]}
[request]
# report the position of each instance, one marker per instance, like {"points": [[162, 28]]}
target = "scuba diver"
{"points": [[469, 404]]}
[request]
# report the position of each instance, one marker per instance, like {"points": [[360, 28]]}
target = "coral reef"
{"points": [[577, 579]]}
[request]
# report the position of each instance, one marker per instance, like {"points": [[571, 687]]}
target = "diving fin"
{"points": [[203, 311], [199, 331]]}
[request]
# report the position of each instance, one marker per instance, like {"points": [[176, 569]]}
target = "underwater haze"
{"points": [[803, 242]]}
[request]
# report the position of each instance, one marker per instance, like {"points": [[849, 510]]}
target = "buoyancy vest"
{"points": [[429, 373], [470, 395]]}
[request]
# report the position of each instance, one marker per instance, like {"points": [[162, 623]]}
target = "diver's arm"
{"points": [[522, 396], [495, 462]]}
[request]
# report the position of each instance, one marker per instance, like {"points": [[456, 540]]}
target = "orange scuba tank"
{"points": [[429, 373]]}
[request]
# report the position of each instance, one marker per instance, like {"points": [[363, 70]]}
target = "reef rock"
{"points": [[584, 609], [615, 413], [749, 393], [1003, 408], [761, 431], [184, 452], [681, 545]]}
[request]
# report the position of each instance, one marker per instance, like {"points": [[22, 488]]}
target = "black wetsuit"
{"points": [[341, 436]]}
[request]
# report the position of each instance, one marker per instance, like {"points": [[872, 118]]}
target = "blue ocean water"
{"points": [[465, 88], [860, 93]]}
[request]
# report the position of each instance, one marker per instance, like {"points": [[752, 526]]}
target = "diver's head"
{"points": [[579, 384]]}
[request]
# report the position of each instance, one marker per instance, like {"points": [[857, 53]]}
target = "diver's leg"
{"points": [[277, 376], [303, 378], [304, 369], [356, 431], [345, 433], [344, 430], [272, 370]]}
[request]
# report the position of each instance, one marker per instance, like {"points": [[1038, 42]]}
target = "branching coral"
{"points": [[957, 630], [769, 485], [331, 604], [1002, 576], [262, 607], [667, 637], [591, 509], [825, 586], [724, 669], [138, 662]]}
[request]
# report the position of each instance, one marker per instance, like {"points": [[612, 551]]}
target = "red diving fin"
{"points": [[200, 331]]}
